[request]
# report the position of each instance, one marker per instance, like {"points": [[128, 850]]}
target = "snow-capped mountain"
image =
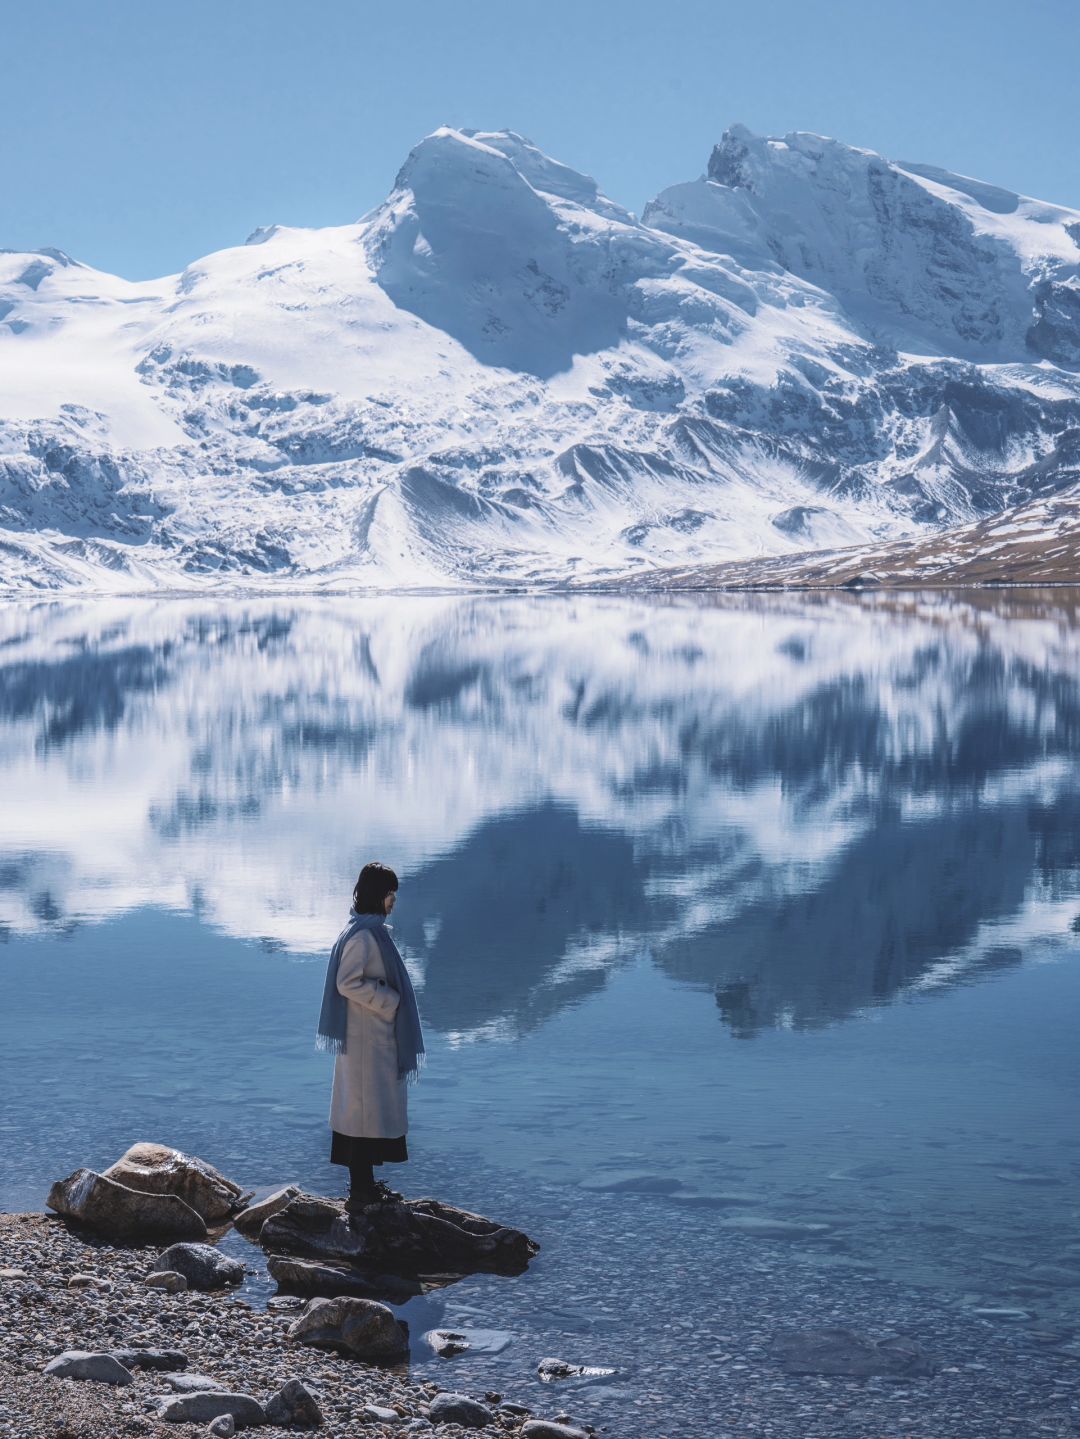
{"points": [[501, 376]]}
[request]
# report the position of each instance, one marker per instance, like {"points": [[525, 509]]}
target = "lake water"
{"points": [[772, 903]]}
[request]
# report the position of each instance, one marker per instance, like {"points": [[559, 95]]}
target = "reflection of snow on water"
{"points": [[791, 926]]}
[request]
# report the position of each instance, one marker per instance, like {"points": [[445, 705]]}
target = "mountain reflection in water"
{"points": [[808, 807]]}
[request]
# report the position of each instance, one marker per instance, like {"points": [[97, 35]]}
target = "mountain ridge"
{"points": [[499, 376]]}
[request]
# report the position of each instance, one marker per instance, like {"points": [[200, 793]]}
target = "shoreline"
{"points": [[79, 1292]]}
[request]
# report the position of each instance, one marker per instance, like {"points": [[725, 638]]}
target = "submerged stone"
{"points": [[845, 1352]]}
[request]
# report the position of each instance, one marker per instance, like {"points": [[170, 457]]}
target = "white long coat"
{"points": [[368, 1100]]}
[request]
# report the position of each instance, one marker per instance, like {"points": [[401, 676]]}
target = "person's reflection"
{"points": [[735, 1003]]}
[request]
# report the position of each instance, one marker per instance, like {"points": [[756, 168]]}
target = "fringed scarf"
{"points": [[333, 1020]]}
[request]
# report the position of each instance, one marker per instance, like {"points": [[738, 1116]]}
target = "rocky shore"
{"points": [[107, 1329]]}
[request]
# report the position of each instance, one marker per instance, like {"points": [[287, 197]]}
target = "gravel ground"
{"points": [[691, 1348], [246, 1349]]}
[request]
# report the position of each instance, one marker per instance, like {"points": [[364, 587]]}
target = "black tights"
{"points": [[361, 1176]]}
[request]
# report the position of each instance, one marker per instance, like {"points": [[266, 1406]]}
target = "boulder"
{"points": [[170, 1280], [360, 1328], [843, 1351], [84, 1364], [203, 1266], [211, 1404], [158, 1169], [250, 1220], [159, 1359], [123, 1214], [294, 1406], [413, 1236], [460, 1409], [327, 1281]]}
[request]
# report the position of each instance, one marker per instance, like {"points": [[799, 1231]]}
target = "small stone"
{"points": [[551, 1429], [171, 1280], [84, 1364], [295, 1405], [13, 1274], [81, 1281], [519, 1411], [377, 1414], [460, 1409], [192, 1383], [447, 1342], [223, 1427], [203, 1266], [145, 1358]]}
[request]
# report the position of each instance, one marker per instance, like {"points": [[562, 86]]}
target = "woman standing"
{"points": [[370, 1021]]}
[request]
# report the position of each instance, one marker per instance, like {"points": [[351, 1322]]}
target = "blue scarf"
{"points": [[333, 1020]]}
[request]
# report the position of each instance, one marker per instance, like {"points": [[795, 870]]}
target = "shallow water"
{"points": [[768, 906]]}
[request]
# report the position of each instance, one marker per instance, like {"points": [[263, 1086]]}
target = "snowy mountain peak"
{"points": [[499, 375], [921, 260]]}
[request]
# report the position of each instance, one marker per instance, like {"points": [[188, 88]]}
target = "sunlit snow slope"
{"points": [[500, 376]]}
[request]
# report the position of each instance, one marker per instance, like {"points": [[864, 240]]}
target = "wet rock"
{"points": [[192, 1383], [516, 1411], [294, 1405], [843, 1351], [203, 1266], [212, 1404], [84, 1364], [120, 1213], [327, 1281], [549, 1369], [170, 1280], [360, 1328], [447, 1342], [460, 1409], [159, 1359], [250, 1220], [550, 1429], [415, 1236], [159, 1169]]}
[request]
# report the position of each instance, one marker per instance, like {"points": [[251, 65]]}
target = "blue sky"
{"points": [[139, 135]]}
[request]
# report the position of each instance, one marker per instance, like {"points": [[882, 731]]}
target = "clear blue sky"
{"points": [[140, 134]]}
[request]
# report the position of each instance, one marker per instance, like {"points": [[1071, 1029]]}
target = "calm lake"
{"points": [[719, 911]]}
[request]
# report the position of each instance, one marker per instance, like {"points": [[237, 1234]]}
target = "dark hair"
{"points": [[376, 881]]}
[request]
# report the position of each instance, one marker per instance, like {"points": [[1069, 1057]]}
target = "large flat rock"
{"points": [[411, 1237]]}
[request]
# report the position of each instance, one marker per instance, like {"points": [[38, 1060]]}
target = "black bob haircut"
{"points": [[376, 881]]}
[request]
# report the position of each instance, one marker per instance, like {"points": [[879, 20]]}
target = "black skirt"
{"points": [[345, 1149]]}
